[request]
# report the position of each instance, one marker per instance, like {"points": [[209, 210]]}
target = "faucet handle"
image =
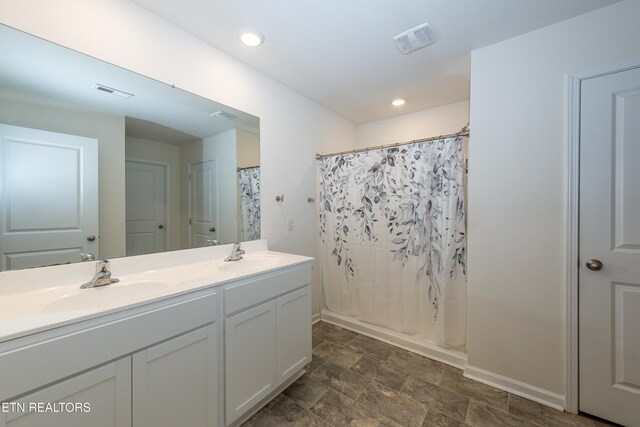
{"points": [[87, 256], [102, 265]]}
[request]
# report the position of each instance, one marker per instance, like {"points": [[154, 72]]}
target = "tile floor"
{"points": [[354, 380]]}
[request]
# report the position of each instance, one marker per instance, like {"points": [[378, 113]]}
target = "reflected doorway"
{"points": [[146, 207], [203, 206]]}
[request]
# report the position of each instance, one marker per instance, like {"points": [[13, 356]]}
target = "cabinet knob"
{"points": [[161, 226], [212, 229], [91, 238]]}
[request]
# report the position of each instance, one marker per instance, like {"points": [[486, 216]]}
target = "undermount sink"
{"points": [[104, 296], [252, 263]]}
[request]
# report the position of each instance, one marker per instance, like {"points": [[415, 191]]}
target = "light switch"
{"points": [[290, 223]]}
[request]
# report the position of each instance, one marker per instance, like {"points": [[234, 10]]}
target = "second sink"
{"points": [[252, 263]]}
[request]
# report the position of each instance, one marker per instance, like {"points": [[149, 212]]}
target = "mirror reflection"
{"points": [[100, 162]]}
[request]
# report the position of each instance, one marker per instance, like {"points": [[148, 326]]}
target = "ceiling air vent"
{"points": [[107, 89], [415, 38], [223, 115]]}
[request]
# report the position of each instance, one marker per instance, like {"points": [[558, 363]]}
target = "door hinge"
{"points": [[189, 177], [189, 221]]}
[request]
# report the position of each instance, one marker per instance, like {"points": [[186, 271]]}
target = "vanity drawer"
{"points": [[248, 294], [40, 359]]}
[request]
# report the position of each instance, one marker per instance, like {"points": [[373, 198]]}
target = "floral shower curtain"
{"points": [[249, 184], [392, 232]]}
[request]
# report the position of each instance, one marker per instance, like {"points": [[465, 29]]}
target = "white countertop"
{"points": [[40, 299]]}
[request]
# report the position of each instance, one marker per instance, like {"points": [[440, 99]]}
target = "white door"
{"points": [[294, 332], [609, 298], [48, 197], [250, 358], [145, 207], [203, 206], [176, 383], [106, 390]]}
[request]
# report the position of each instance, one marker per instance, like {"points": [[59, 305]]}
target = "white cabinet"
{"points": [[268, 343], [250, 358], [106, 390], [170, 356], [166, 352], [293, 332], [176, 382]]}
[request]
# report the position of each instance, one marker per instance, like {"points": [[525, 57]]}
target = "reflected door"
{"points": [[610, 247], [203, 206], [49, 197], [146, 207]]}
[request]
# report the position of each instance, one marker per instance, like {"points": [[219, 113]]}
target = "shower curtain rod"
{"points": [[247, 167], [463, 132]]}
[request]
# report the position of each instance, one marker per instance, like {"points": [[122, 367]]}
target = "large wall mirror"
{"points": [[98, 160]]}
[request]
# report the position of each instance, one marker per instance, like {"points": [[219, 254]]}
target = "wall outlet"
{"points": [[290, 223]]}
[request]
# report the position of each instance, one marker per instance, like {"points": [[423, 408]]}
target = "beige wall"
{"points": [[517, 175], [292, 127], [169, 155], [108, 129], [248, 146], [422, 124]]}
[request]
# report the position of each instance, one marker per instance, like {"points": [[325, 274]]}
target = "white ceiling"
{"points": [[341, 54]]}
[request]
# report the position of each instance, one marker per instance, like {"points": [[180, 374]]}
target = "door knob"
{"points": [[91, 238], [161, 226], [212, 229], [594, 264]]}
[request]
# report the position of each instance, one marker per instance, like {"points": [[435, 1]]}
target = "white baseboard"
{"points": [[315, 318], [424, 348], [450, 357], [544, 397]]}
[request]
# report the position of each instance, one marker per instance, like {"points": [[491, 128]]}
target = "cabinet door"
{"points": [[294, 332], [105, 392], [250, 358], [176, 383]]}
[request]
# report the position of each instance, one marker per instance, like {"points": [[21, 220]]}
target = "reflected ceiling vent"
{"points": [[223, 115], [415, 38], [113, 91]]}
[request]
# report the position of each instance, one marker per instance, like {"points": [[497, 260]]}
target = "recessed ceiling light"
{"points": [[398, 102], [250, 37]]}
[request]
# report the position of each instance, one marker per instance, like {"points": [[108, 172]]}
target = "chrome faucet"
{"points": [[87, 256], [102, 276], [236, 253]]}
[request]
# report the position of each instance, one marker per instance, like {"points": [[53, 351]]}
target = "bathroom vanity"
{"points": [[183, 339]]}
